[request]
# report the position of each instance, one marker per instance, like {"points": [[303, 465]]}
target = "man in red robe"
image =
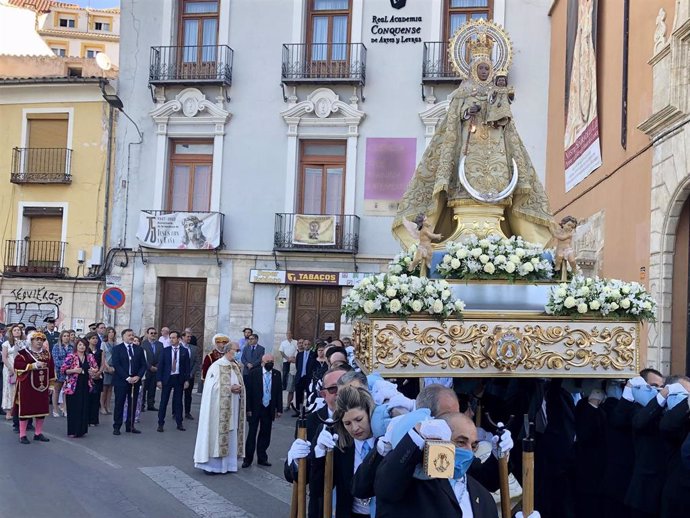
{"points": [[219, 341], [35, 377]]}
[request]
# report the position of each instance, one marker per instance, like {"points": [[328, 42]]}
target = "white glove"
{"points": [[325, 441], [534, 514], [299, 450], [435, 429], [501, 445], [637, 381], [383, 390], [676, 388], [398, 400], [383, 446]]}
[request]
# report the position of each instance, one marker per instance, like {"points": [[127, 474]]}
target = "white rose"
{"points": [[594, 305], [613, 306], [647, 305], [569, 302], [616, 294], [430, 289], [395, 305], [528, 267], [535, 260], [489, 268], [500, 259], [380, 286], [514, 259], [404, 288], [459, 305], [366, 281], [437, 306], [520, 252], [625, 303], [476, 252], [407, 260], [417, 306], [582, 308], [561, 292], [484, 243], [396, 268], [391, 292], [625, 290], [369, 306], [483, 258], [455, 263], [509, 267], [461, 254], [447, 258], [445, 294]]}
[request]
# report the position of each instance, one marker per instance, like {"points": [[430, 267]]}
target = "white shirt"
{"points": [[462, 495], [172, 360], [165, 340], [289, 348], [358, 505]]}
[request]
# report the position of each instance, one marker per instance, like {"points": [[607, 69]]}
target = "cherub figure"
{"points": [[420, 230], [563, 241]]}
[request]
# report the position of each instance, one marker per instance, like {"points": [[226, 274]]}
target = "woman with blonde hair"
{"points": [[351, 441]]}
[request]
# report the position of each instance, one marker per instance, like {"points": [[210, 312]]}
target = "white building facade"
{"points": [[254, 112]]}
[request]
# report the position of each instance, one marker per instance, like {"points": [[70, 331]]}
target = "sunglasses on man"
{"points": [[331, 390]]}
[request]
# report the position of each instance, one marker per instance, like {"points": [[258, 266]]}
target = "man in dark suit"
{"points": [[674, 427], [52, 334], [305, 364], [152, 350], [172, 376], [251, 355], [130, 366], [399, 494], [193, 371], [264, 404]]}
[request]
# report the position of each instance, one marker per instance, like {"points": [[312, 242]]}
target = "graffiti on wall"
{"points": [[31, 306]]}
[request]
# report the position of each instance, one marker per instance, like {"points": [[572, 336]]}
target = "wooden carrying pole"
{"points": [[298, 504], [528, 471], [328, 478], [503, 471]]}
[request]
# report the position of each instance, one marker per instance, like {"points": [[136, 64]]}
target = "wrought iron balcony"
{"points": [[198, 64], [28, 258], [41, 165], [345, 235], [436, 65], [326, 63]]}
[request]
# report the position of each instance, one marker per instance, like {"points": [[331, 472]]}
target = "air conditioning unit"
{"points": [[96, 256]]}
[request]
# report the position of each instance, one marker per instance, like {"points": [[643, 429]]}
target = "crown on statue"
{"points": [[481, 47]]}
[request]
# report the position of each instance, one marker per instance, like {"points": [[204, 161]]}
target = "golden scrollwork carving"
{"points": [[525, 348]]}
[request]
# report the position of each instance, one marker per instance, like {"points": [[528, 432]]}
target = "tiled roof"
{"points": [[80, 35], [44, 6]]}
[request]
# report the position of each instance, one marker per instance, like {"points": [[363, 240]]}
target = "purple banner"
{"points": [[390, 164]]}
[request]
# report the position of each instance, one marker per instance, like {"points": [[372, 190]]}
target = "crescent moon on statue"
{"points": [[489, 197]]}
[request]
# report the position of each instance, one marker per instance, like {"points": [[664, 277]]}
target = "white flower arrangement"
{"points": [[495, 257], [605, 297], [400, 295], [401, 262]]}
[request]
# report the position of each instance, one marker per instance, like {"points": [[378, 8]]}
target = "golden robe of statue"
{"points": [[479, 126]]}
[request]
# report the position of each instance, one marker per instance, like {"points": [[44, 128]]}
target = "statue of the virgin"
{"points": [[476, 177]]}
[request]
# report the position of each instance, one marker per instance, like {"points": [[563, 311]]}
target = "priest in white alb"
{"points": [[221, 434]]}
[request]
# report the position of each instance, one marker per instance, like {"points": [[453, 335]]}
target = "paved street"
{"points": [[147, 475]]}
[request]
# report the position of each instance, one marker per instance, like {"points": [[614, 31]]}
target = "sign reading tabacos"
{"points": [[301, 277]]}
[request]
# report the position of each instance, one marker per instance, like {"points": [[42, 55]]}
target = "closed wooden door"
{"points": [[183, 304], [316, 312]]}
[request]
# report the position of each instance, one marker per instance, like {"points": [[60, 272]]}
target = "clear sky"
{"points": [[95, 3]]}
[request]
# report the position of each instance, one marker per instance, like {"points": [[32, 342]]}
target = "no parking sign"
{"points": [[113, 298]]}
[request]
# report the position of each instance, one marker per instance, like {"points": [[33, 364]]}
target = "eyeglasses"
{"points": [[331, 390], [222, 341]]}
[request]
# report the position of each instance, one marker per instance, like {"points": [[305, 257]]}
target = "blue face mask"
{"points": [[463, 460], [673, 399], [644, 394], [614, 390]]}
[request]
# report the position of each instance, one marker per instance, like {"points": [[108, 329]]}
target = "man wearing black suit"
{"points": [[172, 376], [674, 427], [52, 334], [264, 403], [251, 355], [152, 350], [305, 364], [130, 366], [399, 494]]}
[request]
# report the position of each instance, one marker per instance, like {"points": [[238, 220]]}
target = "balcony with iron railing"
{"points": [[26, 258], [436, 65], [325, 63], [345, 234], [41, 165], [191, 64]]}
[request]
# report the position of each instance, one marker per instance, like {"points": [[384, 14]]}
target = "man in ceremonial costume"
{"points": [[35, 377], [222, 418], [219, 341]]}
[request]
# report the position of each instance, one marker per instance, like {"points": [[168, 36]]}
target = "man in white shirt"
{"points": [[164, 338], [288, 352]]}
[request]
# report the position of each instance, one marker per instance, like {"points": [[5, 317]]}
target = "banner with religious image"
{"points": [[582, 145], [180, 230], [389, 165], [313, 230]]}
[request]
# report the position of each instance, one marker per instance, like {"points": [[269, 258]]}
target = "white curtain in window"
{"points": [[179, 200], [191, 38], [202, 188], [334, 190], [339, 38], [469, 3], [319, 38], [330, 5], [311, 197], [200, 7], [208, 39]]}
